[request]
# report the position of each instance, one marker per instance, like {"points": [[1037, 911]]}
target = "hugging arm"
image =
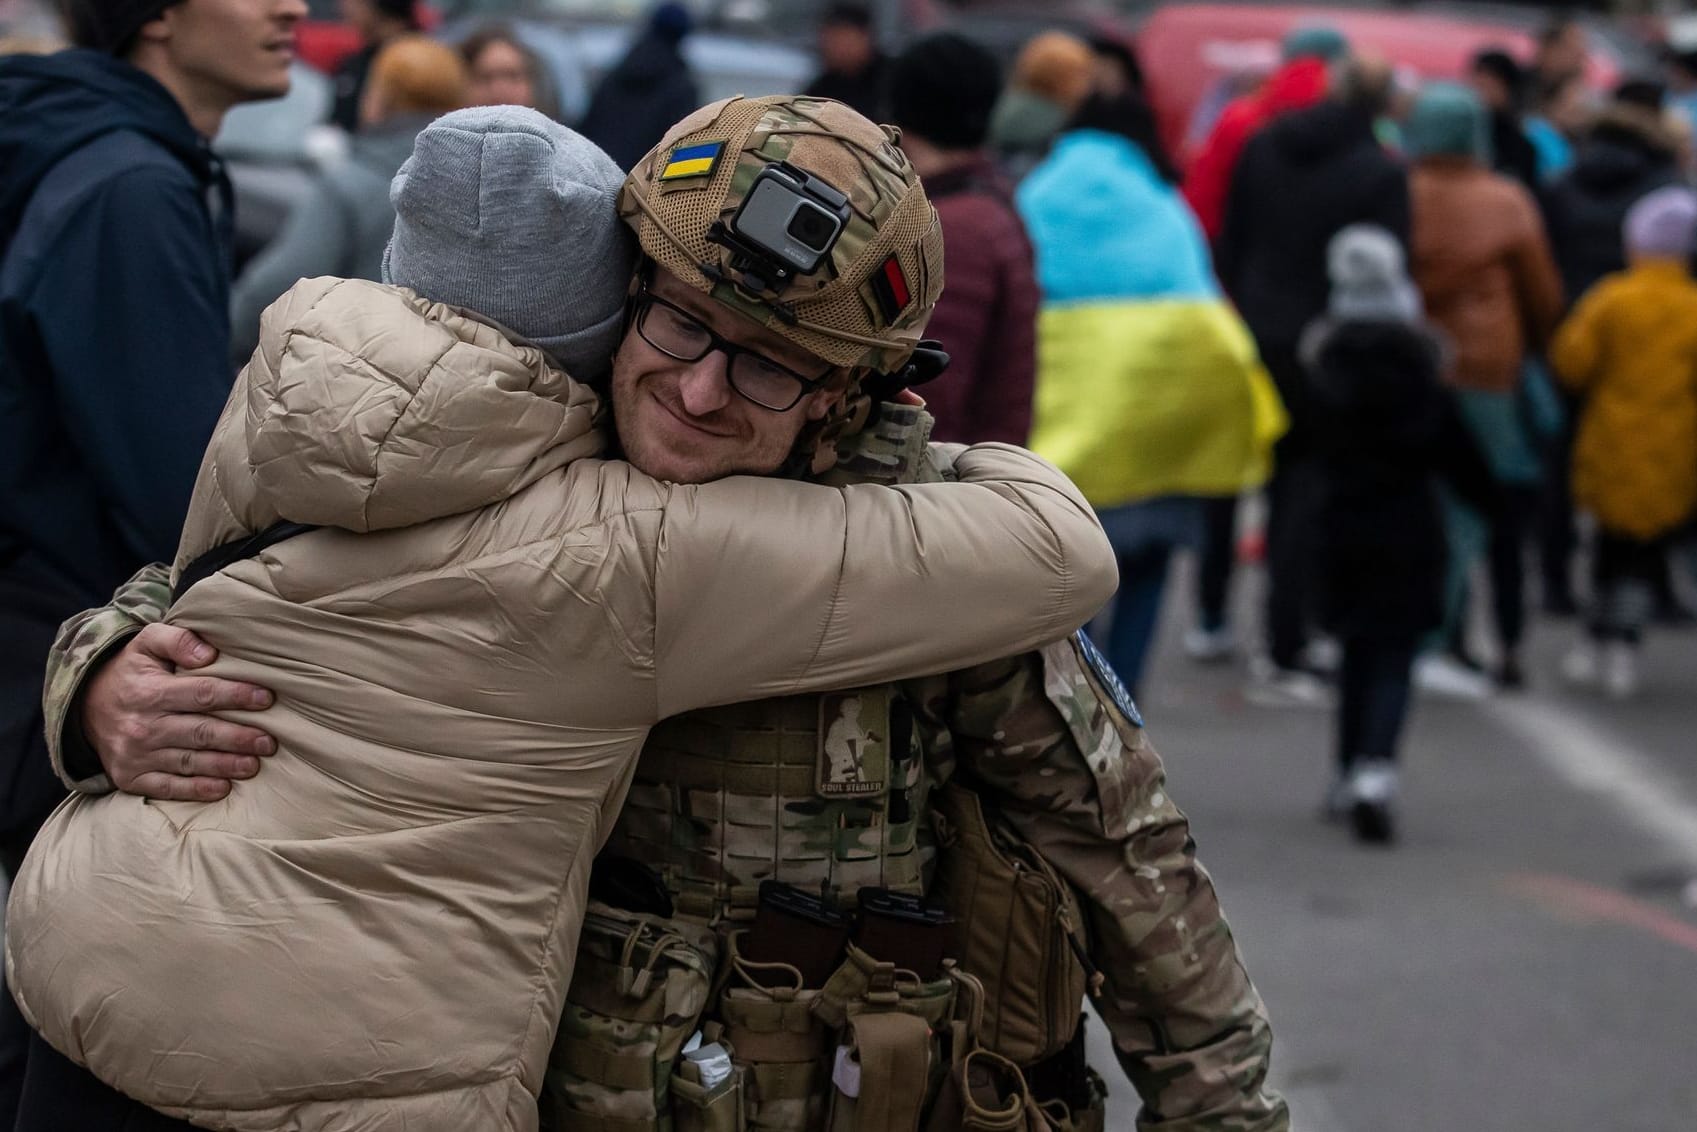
{"points": [[124, 709], [769, 587]]}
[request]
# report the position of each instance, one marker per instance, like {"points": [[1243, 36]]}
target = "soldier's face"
{"points": [[682, 421]]}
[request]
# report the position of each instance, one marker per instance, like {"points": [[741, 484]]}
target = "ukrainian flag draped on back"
{"points": [[1148, 384]]}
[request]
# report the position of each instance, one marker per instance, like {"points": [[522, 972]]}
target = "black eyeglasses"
{"points": [[678, 334]]}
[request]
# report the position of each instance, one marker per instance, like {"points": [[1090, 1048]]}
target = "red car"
{"points": [[1195, 56]]}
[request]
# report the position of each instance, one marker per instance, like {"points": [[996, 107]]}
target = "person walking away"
{"points": [[855, 70], [1051, 78], [1303, 179], [1149, 392], [378, 22], [1630, 350], [1500, 83], [503, 71], [1483, 265], [115, 223], [1306, 55], [1298, 83], [341, 227], [943, 89], [649, 89], [1627, 154], [1386, 432]]}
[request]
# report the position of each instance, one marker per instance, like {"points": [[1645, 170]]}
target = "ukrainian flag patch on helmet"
{"points": [[698, 160]]}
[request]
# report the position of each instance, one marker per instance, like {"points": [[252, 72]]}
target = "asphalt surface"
{"points": [[1524, 958]]}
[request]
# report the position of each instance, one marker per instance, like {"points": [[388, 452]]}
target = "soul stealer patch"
{"points": [[854, 745]]}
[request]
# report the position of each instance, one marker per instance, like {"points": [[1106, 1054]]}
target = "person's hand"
{"points": [[147, 716]]}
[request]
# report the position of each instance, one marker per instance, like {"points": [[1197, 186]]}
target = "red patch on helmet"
{"points": [[890, 290]]}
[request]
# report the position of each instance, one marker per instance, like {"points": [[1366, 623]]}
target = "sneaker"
{"points": [[1440, 676], [1581, 667], [1210, 646], [1272, 686], [1323, 655], [1373, 786], [1620, 670], [1509, 676]]}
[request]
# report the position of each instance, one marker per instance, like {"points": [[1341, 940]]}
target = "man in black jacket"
{"points": [[115, 222], [1300, 181]]}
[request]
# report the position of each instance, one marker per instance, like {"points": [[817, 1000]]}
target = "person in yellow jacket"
{"points": [[1630, 350]]}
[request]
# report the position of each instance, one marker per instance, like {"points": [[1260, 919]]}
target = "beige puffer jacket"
{"points": [[377, 932]]}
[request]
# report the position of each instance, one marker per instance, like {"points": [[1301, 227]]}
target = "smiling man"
{"points": [[721, 373], [114, 257]]}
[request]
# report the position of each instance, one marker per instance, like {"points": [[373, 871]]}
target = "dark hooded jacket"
{"points": [[114, 348], [1300, 180], [1625, 158], [1385, 433], [649, 92]]}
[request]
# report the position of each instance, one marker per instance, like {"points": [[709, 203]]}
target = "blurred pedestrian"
{"points": [[649, 89], [115, 222], [1630, 347], [378, 23], [1628, 154], [1483, 265], [504, 71], [341, 226], [1051, 78], [1385, 432], [1556, 119], [943, 89], [1300, 81], [1564, 50], [855, 70], [1500, 84], [1301, 180], [1149, 392], [1117, 70]]}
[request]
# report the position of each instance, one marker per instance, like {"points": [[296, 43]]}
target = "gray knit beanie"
{"points": [[1369, 280], [505, 212]]}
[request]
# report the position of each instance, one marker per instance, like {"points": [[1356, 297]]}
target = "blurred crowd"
{"points": [[1437, 331]]}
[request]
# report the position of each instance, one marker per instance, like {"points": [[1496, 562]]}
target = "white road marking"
{"points": [[1597, 762]]}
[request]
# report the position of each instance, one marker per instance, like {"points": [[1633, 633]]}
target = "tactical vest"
{"points": [[829, 793]]}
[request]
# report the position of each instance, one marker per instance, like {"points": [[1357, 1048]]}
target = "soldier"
{"points": [[725, 799]]}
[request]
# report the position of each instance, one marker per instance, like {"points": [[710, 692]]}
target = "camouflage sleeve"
{"points": [[84, 642], [1053, 738]]}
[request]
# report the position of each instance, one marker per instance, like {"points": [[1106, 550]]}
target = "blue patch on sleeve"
{"points": [[1107, 677]]}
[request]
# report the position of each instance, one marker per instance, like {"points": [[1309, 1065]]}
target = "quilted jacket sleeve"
{"points": [[767, 587]]}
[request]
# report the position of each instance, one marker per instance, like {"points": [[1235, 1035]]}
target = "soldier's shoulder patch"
{"points": [[1105, 675]]}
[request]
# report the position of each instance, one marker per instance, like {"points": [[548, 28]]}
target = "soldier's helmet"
{"points": [[800, 214]]}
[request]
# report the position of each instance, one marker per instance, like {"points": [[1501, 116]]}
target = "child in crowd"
{"points": [[1629, 349], [1388, 432]]}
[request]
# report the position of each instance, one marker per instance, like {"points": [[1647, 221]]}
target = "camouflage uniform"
{"points": [[727, 797]]}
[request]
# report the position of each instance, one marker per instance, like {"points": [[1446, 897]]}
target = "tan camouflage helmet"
{"points": [[868, 300]]}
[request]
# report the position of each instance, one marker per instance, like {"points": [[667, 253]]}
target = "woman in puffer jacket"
{"points": [[378, 932]]}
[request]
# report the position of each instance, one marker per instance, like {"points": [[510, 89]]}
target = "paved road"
{"points": [[1522, 960]]}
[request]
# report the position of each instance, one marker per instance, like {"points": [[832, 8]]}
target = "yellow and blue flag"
{"points": [[692, 160]]}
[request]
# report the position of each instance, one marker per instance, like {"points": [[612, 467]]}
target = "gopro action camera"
{"points": [[790, 220]]}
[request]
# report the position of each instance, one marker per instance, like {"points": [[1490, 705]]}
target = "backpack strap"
{"points": [[230, 553]]}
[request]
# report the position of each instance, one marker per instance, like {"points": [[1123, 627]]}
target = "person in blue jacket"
{"points": [[115, 222]]}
